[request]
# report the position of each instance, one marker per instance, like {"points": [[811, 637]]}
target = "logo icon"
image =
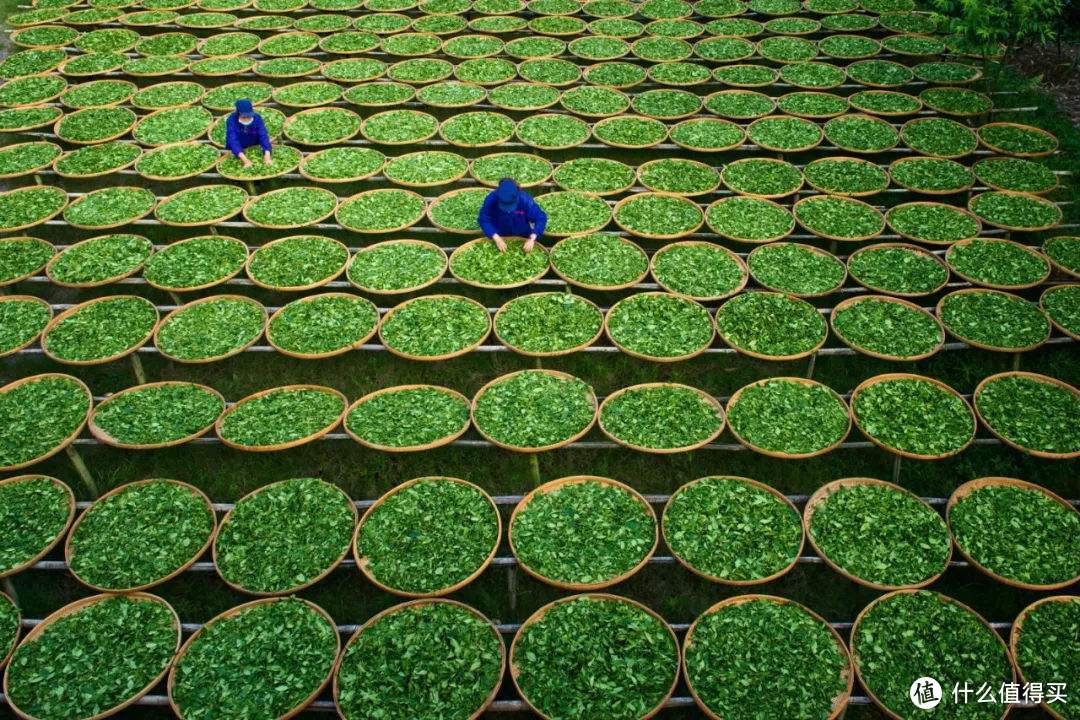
{"points": [[925, 693]]}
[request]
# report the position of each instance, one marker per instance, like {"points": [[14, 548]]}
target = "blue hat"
{"points": [[507, 193], [243, 106]]}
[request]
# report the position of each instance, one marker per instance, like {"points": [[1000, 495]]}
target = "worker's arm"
{"points": [[538, 219]]}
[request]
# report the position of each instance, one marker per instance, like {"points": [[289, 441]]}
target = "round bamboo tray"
{"points": [[42, 220], [554, 485], [445, 440], [38, 123], [1028, 128], [296, 709], [771, 196], [308, 176], [774, 148], [642, 169], [446, 228], [107, 281], [1058, 266], [839, 238], [911, 376], [39, 166], [947, 156], [713, 402], [1014, 643], [439, 181], [734, 400], [983, 346], [855, 654], [775, 77], [461, 249], [641, 356], [775, 358], [379, 231], [69, 552], [738, 91], [973, 281], [317, 356], [811, 115], [551, 353], [910, 248], [922, 191], [297, 588], [808, 248], [18, 627], [884, 113], [33, 338], [973, 485], [385, 243], [82, 306], [657, 236], [533, 143], [66, 441], [416, 603], [108, 226], [236, 298], [539, 615], [47, 98], [743, 271], [554, 373], [732, 146], [839, 703], [517, 108], [851, 302], [727, 581], [291, 120], [362, 561], [36, 270], [74, 608], [625, 146], [492, 156], [860, 151], [292, 443], [293, 164], [110, 171], [204, 286], [1045, 379], [1015, 228], [191, 173], [524, 76], [410, 141], [308, 222], [604, 193], [589, 286], [429, 358], [108, 439], [130, 89], [756, 241], [205, 132], [208, 221], [52, 543], [824, 492], [94, 141], [1042, 304], [295, 288]]}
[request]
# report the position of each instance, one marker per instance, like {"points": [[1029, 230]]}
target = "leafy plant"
{"points": [[209, 329], [322, 324], [1033, 413], [743, 640], [433, 326], [406, 546], [904, 636], [534, 409], [204, 205], [71, 669], [888, 328], [1016, 210], [948, 73], [284, 535], [585, 532], [380, 210], [454, 656], [699, 270], [100, 259], [914, 415], [95, 124], [36, 512], [880, 534], [679, 73], [101, 329], [408, 417], [599, 260], [551, 131], [664, 417], [660, 326], [994, 319], [263, 660], [605, 635], [195, 262]]}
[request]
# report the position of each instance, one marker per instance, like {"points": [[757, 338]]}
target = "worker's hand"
{"points": [[499, 242], [529, 243], [266, 157], [244, 159]]}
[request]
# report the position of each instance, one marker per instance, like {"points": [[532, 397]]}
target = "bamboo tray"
{"points": [[963, 243], [444, 356], [923, 252], [1045, 379], [743, 270], [82, 306], [652, 358], [938, 310], [709, 399], [806, 382], [108, 439], [291, 443], [234, 351], [549, 353], [851, 302], [386, 243], [553, 446], [33, 338], [1014, 643], [70, 496], [445, 440]]}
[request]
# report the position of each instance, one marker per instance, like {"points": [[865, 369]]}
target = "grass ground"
{"points": [[227, 475]]}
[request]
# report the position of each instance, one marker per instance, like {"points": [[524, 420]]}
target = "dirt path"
{"points": [[1057, 80]]}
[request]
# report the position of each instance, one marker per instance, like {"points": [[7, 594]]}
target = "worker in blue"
{"points": [[510, 211], [245, 128]]}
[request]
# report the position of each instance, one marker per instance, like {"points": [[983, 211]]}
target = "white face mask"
{"points": [[247, 122]]}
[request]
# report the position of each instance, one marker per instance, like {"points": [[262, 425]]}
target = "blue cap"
{"points": [[507, 192], [243, 106]]}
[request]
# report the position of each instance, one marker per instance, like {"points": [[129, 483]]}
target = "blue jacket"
{"points": [[527, 218], [238, 137]]}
